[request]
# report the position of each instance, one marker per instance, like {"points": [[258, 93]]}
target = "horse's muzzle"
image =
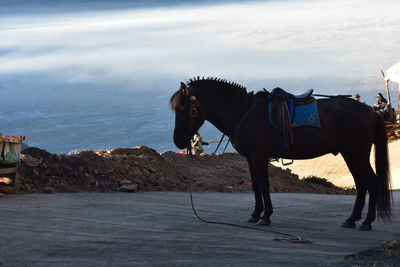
{"points": [[181, 140]]}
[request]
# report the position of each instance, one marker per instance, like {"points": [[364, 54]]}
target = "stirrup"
{"points": [[288, 163]]}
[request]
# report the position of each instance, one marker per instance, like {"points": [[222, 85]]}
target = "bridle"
{"points": [[195, 111]]}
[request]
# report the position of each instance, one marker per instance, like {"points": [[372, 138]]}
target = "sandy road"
{"points": [[159, 229], [334, 169]]}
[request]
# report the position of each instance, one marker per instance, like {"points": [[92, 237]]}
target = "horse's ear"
{"points": [[184, 89]]}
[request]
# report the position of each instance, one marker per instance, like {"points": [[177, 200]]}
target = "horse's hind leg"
{"points": [[364, 178], [372, 186], [259, 206]]}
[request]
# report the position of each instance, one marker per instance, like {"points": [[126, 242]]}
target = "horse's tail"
{"points": [[384, 196]]}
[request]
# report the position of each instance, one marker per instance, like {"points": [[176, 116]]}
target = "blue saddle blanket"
{"points": [[306, 115], [301, 115]]}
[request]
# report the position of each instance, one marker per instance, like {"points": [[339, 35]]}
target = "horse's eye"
{"points": [[182, 107]]}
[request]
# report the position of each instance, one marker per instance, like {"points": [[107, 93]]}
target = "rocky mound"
{"points": [[143, 169]]}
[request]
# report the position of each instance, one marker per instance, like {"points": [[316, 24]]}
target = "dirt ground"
{"points": [[388, 254]]}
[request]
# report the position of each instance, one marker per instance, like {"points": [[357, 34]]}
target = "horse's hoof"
{"points": [[253, 219], [365, 227], [263, 222], [347, 224]]}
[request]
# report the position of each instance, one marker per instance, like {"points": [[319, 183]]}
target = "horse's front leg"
{"points": [[260, 170], [259, 206]]}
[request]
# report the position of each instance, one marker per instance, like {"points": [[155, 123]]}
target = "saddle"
{"points": [[302, 98], [282, 107]]}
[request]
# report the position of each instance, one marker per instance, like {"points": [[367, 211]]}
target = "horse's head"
{"points": [[189, 116]]}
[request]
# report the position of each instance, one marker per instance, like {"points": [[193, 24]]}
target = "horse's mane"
{"points": [[209, 83], [221, 83]]}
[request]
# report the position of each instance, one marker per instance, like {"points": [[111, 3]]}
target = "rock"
{"points": [[27, 187], [129, 188], [146, 173], [136, 172], [7, 190], [2, 195], [49, 190], [125, 182], [36, 152], [48, 172], [123, 151], [30, 161]]}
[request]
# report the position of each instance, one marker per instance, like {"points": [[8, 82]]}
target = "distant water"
{"points": [[88, 116], [91, 116], [99, 74]]}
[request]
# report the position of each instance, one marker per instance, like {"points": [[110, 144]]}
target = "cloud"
{"points": [[349, 40]]}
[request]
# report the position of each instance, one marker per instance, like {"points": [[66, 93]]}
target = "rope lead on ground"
{"points": [[290, 238]]}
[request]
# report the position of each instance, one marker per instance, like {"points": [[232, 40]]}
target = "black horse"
{"points": [[347, 127]]}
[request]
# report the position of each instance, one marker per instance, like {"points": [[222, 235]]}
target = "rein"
{"points": [[288, 237], [219, 143]]}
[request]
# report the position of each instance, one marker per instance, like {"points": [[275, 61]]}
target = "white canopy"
{"points": [[393, 73]]}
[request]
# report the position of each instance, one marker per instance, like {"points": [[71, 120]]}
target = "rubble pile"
{"points": [[144, 169]]}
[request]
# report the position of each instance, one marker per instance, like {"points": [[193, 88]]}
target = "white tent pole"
{"points": [[386, 86]]}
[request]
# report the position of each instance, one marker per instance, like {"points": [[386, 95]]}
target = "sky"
{"points": [[60, 54], [303, 44]]}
